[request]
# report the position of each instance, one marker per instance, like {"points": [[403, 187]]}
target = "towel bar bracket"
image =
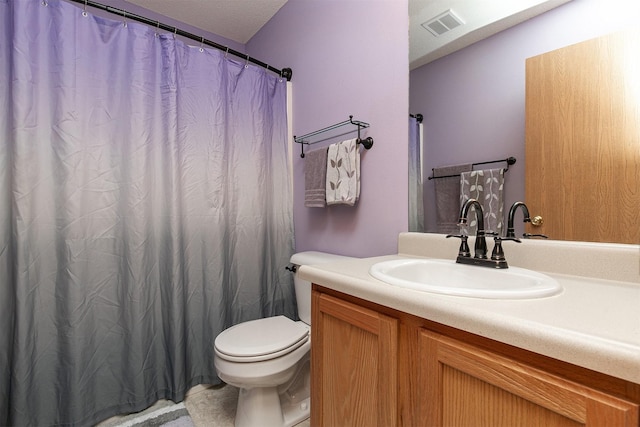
{"points": [[367, 142]]}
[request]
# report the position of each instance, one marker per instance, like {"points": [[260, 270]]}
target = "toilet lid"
{"points": [[261, 339]]}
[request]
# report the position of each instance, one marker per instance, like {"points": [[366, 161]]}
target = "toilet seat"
{"points": [[261, 339]]}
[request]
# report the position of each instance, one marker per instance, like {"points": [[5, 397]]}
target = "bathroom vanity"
{"points": [[387, 355]]}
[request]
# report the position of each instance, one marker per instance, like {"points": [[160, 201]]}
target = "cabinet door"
{"points": [[467, 386], [353, 365]]}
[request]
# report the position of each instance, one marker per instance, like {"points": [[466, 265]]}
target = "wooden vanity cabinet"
{"points": [[469, 386], [354, 364], [372, 365]]}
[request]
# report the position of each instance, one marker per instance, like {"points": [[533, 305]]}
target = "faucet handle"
{"points": [[507, 238], [529, 235], [463, 251], [498, 253]]}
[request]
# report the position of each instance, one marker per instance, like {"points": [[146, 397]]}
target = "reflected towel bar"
{"points": [[510, 161]]}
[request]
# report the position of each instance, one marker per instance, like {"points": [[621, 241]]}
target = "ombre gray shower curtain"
{"points": [[144, 207], [416, 207]]}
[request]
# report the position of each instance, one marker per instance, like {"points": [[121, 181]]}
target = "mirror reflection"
{"points": [[473, 104]]}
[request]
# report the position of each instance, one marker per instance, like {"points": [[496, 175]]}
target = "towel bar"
{"points": [[303, 140]]}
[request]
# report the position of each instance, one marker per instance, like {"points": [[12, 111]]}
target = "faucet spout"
{"points": [[481, 244], [512, 212]]}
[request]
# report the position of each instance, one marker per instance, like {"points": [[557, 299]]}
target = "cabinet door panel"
{"points": [[354, 368], [468, 386], [474, 402]]}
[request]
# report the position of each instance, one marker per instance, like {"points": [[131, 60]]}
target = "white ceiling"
{"points": [[236, 20], [481, 19], [239, 20]]}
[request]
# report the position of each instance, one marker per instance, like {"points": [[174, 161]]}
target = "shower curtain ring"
{"points": [[202, 44], [226, 53], [246, 64], [157, 28], [124, 18], [84, 9]]}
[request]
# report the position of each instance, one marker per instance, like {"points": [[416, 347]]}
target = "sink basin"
{"points": [[449, 278]]}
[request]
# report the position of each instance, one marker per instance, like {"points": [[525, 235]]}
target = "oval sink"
{"points": [[449, 278]]}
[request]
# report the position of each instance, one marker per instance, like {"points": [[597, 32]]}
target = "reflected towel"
{"points": [[315, 172], [486, 186], [447, 192], [343, 173]]}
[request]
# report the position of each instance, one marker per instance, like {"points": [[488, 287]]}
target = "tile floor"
{"points": [[209, 406]]}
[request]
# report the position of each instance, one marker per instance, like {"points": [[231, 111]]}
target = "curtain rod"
{"points": [[285, 72]]}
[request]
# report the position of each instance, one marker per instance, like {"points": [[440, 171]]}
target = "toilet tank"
{"points": [[303, 287]]}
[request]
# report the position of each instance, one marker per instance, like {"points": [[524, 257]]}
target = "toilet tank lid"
{"points": [[314, 257]]}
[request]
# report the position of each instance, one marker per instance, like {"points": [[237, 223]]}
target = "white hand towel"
{"points": [[343, 173]]}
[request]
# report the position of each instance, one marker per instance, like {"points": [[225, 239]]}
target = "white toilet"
{"points": [[269, 359]]}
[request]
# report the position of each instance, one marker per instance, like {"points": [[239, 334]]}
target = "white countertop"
{"points": [[593, 322]]}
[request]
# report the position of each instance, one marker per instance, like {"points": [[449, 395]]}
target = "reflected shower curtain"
{"points": [[144, 207], [416, 207]]}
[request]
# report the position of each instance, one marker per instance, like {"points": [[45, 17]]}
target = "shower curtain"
{"points": [[144, 207], [416, 206]]}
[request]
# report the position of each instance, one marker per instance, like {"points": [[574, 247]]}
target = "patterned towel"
{"points": [[486, 186], [343, 173]]}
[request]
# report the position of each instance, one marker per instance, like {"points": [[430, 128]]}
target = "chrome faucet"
{"points": [[497, 259], [511, 233]]}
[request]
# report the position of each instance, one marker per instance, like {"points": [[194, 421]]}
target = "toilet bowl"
{"points": [[269, 359], [264, 375]]}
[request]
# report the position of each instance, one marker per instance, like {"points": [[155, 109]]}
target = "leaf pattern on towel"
{"points": [[341, 167], [487, 187]]}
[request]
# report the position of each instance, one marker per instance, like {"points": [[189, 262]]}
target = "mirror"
{"points": [[473, 100]]}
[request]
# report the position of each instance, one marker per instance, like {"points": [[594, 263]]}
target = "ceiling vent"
{"points": [[443, 23]]}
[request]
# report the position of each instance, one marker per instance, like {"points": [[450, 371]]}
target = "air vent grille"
{"points": [[443, 23]]}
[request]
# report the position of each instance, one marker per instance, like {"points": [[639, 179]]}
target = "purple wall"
{"points": [[473, 100], [348, 57]]}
